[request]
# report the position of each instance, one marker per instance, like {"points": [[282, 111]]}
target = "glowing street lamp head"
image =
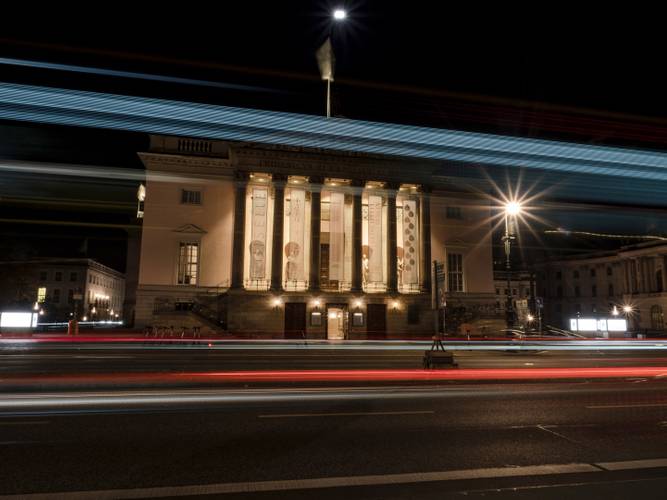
{"points": [[530, 317], [513, 208], [627, 309], [339, 14]]}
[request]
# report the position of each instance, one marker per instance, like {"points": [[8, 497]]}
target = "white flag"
{"points": [[326, 60]]}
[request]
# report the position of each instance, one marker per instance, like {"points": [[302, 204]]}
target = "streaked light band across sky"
{"points": [[141, 114]]}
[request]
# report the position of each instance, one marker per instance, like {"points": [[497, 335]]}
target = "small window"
{"points": [[592, 273], [191, 197], [41, 294], [513, 291], [72, 276], [70, 296], [59, 276], [43, 276], [609, 271], [497, 291], [594, 291], [56, 296], [454, 213], [575, 274]]}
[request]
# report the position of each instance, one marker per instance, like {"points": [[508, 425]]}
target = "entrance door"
{"points": [[295, 320], [336, 322], [376, 321]]}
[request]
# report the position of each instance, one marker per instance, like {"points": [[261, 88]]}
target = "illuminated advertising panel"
{"points": [[16, 319]]}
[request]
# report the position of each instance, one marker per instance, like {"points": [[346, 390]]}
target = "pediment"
{"points": [[189, 228]]}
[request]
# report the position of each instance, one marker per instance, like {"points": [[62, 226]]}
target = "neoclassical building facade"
{"points": [[293, 242]]}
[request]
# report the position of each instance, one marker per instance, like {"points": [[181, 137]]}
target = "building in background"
{"points": [[592, 285], [292, 242], [63, 287], [523, 293]]}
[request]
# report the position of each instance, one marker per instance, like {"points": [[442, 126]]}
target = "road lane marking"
{"points": [[316, 483], [349, 481], [650, 463], [634, 405], [345, 414], [547, 429]]}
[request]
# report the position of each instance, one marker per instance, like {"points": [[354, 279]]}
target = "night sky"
{"points": [[495, 70]]}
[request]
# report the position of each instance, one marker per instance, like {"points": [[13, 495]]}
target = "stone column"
{"points": [[315, 217], [278, 219], [425, 233], [392, 277], [239, 230], [356, 237]]}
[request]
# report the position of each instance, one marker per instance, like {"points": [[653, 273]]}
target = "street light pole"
{"points": [[512, 209]]}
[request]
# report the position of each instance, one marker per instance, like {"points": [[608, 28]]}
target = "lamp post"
{"points": [[512, 210], [325, 54]]}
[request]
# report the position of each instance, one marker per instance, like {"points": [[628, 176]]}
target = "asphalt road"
{"points": [[382, 442], [30, 359]]}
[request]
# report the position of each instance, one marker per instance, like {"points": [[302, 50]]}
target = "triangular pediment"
{"points": [[190, 228]]}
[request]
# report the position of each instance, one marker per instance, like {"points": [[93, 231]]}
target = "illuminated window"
{"points": [[408, 238], [41, 294], [336, 236], [455, 272], [374, 238], [188, 261], [190, 197]]}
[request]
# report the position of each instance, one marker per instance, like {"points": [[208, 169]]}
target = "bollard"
{"points": [[72, 327]]}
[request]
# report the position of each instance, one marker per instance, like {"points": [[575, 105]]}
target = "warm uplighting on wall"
{"points": [[357, 304], [395, 305], [277, 302]]}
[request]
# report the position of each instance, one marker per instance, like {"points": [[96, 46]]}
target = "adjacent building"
{"points": [[592, 285], [64, 287], [295, 242]]}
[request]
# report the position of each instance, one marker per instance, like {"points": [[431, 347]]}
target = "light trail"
{"points": [[158, 116], [132, 75], [112, 342], [158, 379]]}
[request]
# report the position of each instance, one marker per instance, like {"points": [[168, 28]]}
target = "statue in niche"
{"points": [[365, 258], [257, 259], [292, 250]]}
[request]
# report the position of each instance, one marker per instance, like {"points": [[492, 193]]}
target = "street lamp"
{"points": [[339, 14], [512, 210]]}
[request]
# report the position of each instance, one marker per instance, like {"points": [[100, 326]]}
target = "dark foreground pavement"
{"points": [[597, 438]]}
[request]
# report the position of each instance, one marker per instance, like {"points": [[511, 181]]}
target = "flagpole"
{"points": [[328, 98]]}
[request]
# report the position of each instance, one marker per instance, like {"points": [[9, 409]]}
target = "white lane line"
{"points": [[636, 405], [346, 414], [634, 464], [545, 429], [338, 482], [305, 484]]}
